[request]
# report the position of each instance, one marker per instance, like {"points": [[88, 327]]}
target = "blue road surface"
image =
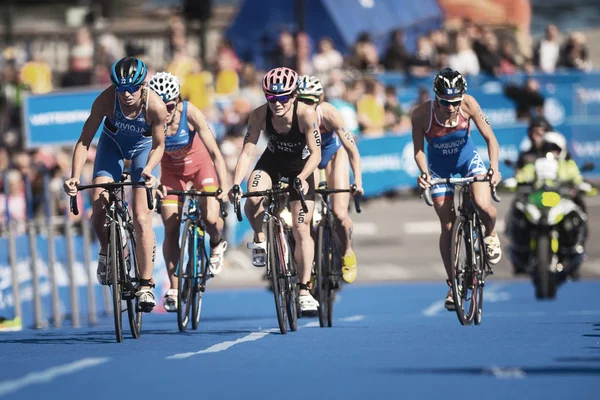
{"points": [[389, 341]]}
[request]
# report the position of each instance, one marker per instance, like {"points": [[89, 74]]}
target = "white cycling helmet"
{"points": [[165, 85], [310, 87], [555, 140]]}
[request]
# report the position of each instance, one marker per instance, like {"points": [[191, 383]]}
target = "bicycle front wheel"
{"points": [[185, 276], [113, 263], [273, 260], [462, 271], [129, 269]]}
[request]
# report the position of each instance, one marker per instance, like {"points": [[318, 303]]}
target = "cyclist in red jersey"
{"points": [[293, 151], [191, 157], [338, 151]]}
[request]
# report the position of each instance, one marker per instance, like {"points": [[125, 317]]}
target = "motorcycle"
{"points": [[548, 226]]}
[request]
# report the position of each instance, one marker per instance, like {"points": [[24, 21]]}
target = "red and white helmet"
{"points": [[280, 81]]}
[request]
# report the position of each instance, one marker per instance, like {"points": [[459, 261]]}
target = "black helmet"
{"points": [[449, 82], [128, 71], [539, 122]]}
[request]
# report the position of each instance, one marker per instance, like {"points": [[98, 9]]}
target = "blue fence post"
{"points": [[85, 230], [49, 203], [12, 255], [31, 233], [71, 267]]}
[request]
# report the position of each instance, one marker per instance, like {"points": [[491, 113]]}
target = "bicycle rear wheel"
{"points": [[113, 264], [199, 282], [185, 276], [461, 271], [273, 267], [133, 313], [322, 280]]}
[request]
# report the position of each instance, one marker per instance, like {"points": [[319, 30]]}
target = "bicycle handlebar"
{"points": [[435, 181], [109, 186], [351, 191], [196, 193]]}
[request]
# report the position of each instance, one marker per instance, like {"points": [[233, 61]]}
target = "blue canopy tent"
{"points": [[256, 28]]}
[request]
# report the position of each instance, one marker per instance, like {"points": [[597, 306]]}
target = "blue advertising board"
{"points": [[56, 118]]}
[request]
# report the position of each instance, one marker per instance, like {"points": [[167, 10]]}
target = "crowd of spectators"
{"points": [[226, 89]]}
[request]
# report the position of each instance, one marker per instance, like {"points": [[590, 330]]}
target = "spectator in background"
{"points": [[227, 66], [546, 54], [423, 62], [326, 60], [182, 63], [17, 205], [81, 67], [396, 56], [336, 85], [36, 74], [423, 96], [510, 60], [198, 87], [529, 102], [488, 53], [370, 109], [285, 54], [365, 56], [465, 59], [574, 54], [251, 88], [303, 54], [346, 105], [396, 119]]}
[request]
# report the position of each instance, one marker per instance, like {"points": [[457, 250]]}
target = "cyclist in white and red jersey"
{"points": [[445, 124], [191, 157], [337, 148], [293, 151]]}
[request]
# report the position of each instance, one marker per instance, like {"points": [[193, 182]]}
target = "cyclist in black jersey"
{"points": [[293, 151]]}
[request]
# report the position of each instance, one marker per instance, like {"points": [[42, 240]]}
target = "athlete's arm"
{"points": [[483, 125], [101, 107], [418, 134], [198, 121], [157, 118], [307, 122], [255, 125], [335, 120]]}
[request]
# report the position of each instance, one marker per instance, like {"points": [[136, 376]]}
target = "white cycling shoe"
{"points": [[170, 300], [308, 305], [217, 258]]}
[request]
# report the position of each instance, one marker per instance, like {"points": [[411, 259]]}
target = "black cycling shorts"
{"points": [[278, 168]]}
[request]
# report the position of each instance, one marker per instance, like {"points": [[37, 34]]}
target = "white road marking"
{"points": [[354, 318], [224, 345], [365, 228], [491, 294], [506, 373], [251, 338], [7, 387], [431, 227]]}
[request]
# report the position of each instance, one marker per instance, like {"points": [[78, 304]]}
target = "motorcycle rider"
{"points": [[573, 228]]}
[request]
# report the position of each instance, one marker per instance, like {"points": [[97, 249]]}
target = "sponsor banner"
{"points": [[56, 118]]}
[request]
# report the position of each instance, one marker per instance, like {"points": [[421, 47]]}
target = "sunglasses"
{"points": [[448, 103], [171, 106], [281, 99], [130, 89]]}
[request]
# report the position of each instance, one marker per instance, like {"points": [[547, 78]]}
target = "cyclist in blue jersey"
{"points": [[134, 129], [337, 148], [445, 124]]}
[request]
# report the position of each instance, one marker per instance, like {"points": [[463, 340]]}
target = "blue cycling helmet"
{"points": [[128, 71]]}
